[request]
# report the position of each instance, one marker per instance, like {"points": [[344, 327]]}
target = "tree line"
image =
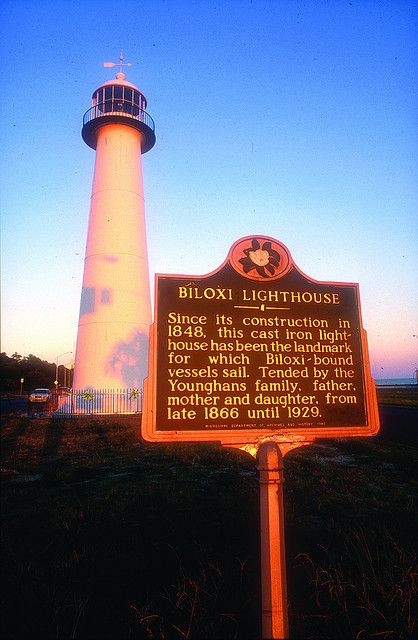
{"points": [[34, 371]]}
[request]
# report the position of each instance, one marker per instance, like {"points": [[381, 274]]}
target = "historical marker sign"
{"points": [[257, 348]]}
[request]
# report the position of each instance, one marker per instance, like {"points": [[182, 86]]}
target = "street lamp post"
{"points": [[56, 368]]}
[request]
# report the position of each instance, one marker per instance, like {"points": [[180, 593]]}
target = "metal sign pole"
{"points": [[273, 559]]}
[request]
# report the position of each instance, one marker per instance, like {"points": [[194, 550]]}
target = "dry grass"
{"points": [[105, 536]]}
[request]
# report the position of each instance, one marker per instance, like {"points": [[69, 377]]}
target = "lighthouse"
{"points": [[115, 308]]}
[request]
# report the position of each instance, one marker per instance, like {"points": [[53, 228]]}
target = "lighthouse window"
{"points": [[118, 105], [108, 99], [118, 98], [99, 99], [135, 108]]}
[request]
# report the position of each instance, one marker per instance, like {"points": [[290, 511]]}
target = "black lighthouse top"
{"points": [[118, 101]]}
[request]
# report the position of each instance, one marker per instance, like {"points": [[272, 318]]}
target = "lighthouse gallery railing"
{"points": [[118, 107]]}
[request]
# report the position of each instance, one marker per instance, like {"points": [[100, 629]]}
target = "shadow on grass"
{"points": [[51, 447], [124, 540]]}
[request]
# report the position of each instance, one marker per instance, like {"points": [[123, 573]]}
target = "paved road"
{"points": [[14, 405], [399, 424], [19, 406]]}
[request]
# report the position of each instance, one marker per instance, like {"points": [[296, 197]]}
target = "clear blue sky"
{"points": [[286, 118]]}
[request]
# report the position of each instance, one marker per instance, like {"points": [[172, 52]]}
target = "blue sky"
{"points": [[290, 119]]}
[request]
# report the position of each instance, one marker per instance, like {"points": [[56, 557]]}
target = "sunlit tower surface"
{"points": [[115, 308]]}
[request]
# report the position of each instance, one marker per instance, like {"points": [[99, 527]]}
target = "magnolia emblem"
{"points": [[264, 259]]}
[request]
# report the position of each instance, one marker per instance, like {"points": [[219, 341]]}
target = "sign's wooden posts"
{"points": [[259, 356]]}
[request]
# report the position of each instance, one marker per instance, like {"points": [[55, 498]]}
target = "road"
{"points": [[15, 404], [399, 424]]}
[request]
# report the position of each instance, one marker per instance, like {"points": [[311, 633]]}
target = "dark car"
{"points": [[63, 391]]}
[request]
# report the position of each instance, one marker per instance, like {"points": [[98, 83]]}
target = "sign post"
{"points": [[259, 356], [273, 557]]}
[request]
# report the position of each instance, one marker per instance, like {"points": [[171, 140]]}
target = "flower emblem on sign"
{"points": [[263, 259], [260, 258]]}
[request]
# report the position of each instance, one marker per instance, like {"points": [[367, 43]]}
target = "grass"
{"points": [[105, 536]]}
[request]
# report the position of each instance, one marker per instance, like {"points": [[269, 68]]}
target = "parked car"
{"points": [[63, 391], [40, 395]]}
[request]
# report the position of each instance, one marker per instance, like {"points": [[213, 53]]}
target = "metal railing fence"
{"points": [[100, 402]]}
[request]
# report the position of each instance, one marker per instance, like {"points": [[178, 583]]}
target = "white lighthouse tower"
{"points": [[115, 309]]}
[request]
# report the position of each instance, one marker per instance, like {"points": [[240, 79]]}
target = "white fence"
{"points": [[100, 402]]}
